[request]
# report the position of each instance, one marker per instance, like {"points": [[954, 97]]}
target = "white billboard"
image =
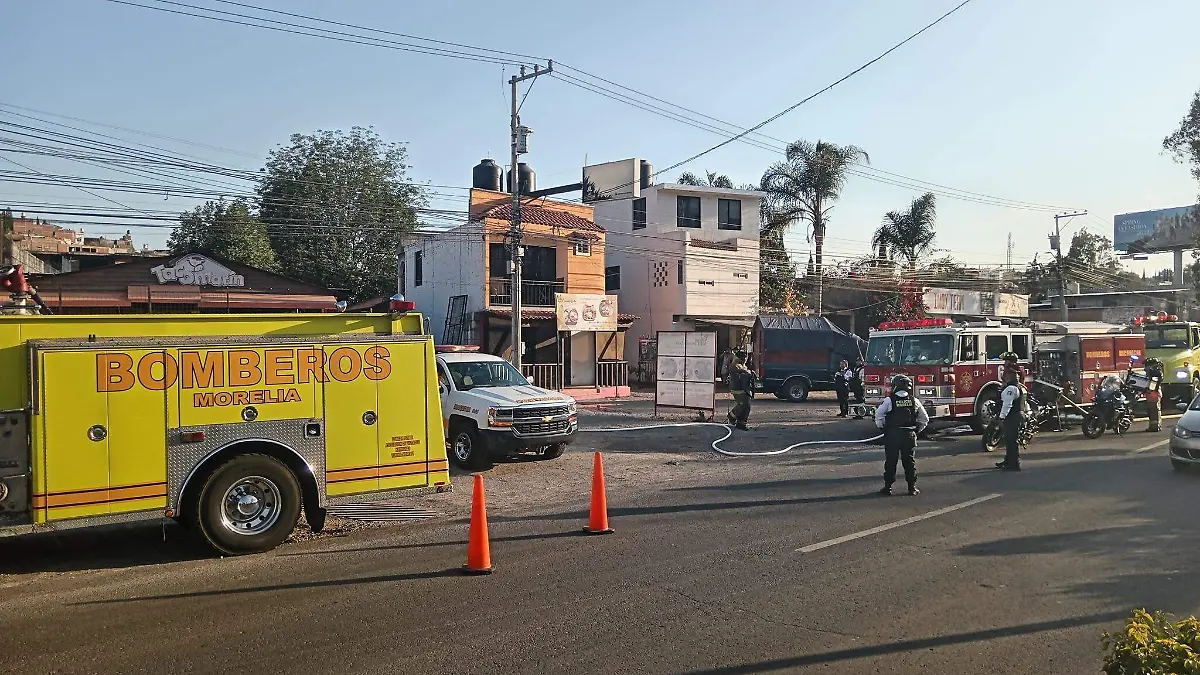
{"points": [[686, 370], [612, 180]]}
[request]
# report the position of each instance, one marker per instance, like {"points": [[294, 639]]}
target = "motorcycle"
{"points": [[1039, 414], [1111, 409]]}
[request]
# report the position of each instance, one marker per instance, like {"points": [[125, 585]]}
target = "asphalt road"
{"points": [[717, 566]]}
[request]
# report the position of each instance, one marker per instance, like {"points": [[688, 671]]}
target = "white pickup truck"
{"points": [[490, 409]]}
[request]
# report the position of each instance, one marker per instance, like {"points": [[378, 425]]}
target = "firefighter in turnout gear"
{"points": [[902, 417], [741, 385], [1013, 413]]}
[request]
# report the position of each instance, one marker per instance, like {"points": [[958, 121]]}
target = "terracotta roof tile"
{"points": [[540, 215]]}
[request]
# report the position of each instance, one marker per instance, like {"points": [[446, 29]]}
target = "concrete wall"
{"points": [[453, 264]]}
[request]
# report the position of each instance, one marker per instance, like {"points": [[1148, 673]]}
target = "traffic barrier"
{"points": [[479, 554], [598, 518]]}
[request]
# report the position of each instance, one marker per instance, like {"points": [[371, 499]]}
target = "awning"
{"points": [[737, 321]]}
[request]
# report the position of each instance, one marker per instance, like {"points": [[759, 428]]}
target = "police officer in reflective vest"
{"points": [[1154, 371], [1013, 413], [902, 417]]}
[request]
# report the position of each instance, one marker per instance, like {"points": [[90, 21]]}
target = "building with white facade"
{"points": [[684, 257]]}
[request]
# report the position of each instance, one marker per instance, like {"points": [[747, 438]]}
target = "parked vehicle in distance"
{"points": [[490, 409], [794, 355], [1177, 344]]}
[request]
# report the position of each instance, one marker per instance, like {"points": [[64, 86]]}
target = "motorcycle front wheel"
{"points": [[1093, 426], [992, 438]]}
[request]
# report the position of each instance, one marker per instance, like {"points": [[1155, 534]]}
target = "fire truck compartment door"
{"points": [[351, 423], [74, 418], [405, 416]]}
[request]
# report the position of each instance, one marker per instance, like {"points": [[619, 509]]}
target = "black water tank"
{"points": [[646, 174], [487, 175], [528, 180]]}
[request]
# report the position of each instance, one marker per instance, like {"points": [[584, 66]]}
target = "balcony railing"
{"points": [[533, 293], [544, 375], [612, 374]]}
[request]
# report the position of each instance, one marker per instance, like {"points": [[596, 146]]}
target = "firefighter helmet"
{"points": [[901, 383]]}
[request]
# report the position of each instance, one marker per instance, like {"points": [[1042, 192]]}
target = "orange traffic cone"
{"points": [[598, 519], [479, 555]]}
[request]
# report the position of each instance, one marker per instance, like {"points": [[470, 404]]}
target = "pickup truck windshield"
{"points": [[1166, 337], [471, 374], [909, 350]]}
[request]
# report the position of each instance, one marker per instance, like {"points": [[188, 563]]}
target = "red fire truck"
{"points": [[955, 367]]}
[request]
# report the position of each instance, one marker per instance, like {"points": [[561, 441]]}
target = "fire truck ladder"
{"points": [[456, 321]]}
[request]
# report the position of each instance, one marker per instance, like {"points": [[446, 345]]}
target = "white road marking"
{"points": [[1152, 446], [891, 526]]}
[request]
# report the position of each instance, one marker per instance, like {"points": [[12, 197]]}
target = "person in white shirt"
{"points": [[1014, 409], [901, 416]]}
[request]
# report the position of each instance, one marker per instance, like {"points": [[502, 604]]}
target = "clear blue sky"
{"points": [[1063, 102]]}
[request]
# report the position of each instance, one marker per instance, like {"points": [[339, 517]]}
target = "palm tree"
{"points": [[804, 187], [712, 179], [908, 236]]}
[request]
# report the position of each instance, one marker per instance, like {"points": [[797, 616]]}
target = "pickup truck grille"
{"points": [[538, 413], [541, 428]]}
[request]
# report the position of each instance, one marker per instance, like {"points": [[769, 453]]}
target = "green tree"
{"points": [[908, 236], [1184, 142], [804, 187], [711, 179], [226, 230], [336, 205]]}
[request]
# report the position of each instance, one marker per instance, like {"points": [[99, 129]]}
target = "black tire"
{"points": [[554, 451], [468, 449], [1093, 426], [272, 500], [983, 412], [794, 390], [1179, 465], [993, 438]]}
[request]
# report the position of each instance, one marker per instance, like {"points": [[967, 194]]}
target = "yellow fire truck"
{"points": [[230, 423]]}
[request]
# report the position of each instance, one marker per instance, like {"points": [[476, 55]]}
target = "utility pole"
{"points": [[1056, 246], [520, 145]]}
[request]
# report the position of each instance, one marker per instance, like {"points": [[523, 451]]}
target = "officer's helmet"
{"points": [[1010, 357], [901, 383]]}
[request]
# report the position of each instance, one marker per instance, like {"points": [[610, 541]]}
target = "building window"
{"points": [[403, 275], [583, 247], [688, 211], [639, 213], [612, 278], [418, 268], [729, 214], [679, 270]]}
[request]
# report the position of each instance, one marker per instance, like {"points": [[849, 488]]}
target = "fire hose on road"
{"points": [[716, 445]]}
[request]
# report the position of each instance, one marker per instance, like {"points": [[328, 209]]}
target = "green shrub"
{"points": [[1153, 644]]}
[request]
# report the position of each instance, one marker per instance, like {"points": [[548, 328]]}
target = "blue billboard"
{"points": [[1161, 230]]}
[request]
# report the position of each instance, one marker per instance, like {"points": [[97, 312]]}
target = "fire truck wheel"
{"points": [[467, 448], [795, 390], [249, 504]]}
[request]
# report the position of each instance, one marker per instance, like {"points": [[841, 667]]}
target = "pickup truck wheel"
{"points": [[554, 451], [795, 390], [249, 504], [468, 449]]}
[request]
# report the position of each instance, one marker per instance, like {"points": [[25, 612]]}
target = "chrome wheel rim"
{"points": [[462, 447], [250, 506]]}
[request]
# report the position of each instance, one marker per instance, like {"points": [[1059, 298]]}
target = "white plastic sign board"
{"points": [[686, 370]]}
